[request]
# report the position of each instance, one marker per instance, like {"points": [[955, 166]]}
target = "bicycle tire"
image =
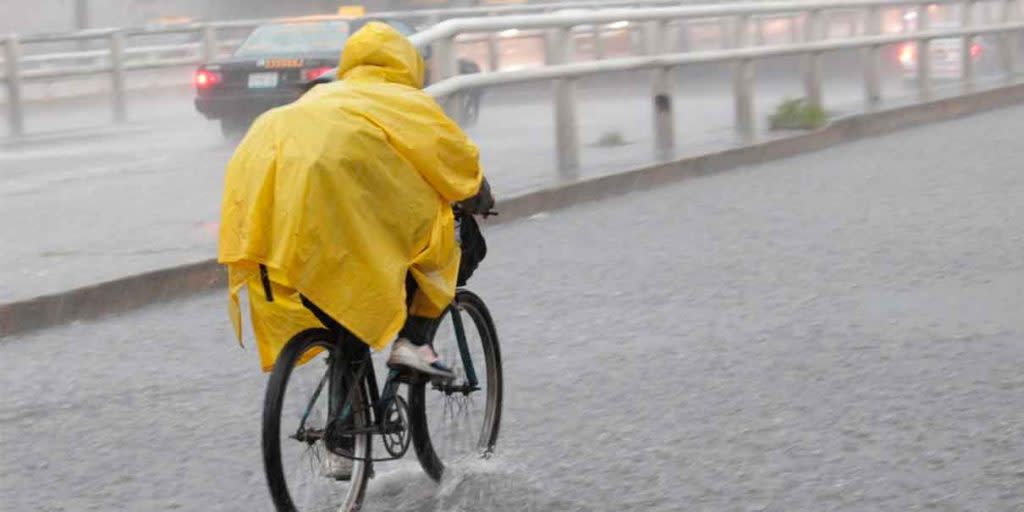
{"points": [[428, 457], [277, 385]]}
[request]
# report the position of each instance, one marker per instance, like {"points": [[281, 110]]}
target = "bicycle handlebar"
{"points": [[459, 211]]}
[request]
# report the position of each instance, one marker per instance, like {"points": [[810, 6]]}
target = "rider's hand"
{"points": [[482, 202]]}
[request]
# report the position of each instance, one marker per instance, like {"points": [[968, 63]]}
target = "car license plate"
{"points": [[262, 80]]}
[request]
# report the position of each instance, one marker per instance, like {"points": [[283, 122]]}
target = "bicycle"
{"points": [[355, 410]]}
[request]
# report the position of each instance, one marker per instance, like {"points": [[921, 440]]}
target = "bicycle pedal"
{"points": [[438, 380], [407, 376]]}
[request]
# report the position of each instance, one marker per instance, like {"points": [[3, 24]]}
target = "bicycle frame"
{"points": [[355, 364], [460, 338]]}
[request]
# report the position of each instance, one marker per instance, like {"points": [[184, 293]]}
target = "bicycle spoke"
{"points": [[307, 471], [457, 425], [299, 478], [460, 419], [313, 399]]}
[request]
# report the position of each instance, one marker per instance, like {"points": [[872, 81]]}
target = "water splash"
{"points": [[496, 484]]}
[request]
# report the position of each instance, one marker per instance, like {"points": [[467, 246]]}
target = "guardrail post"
{"points": [[660, 37], [12, 75], [664, 122], [669, 37], [872, 60], [743, 90], [547, 38], [662, 86], [635, 39], [760, 31], [210, 45], [825, 25], [966, 59], [812, 26], [493, 50], [567, 144], [924, 69], [794, 29], [117, 75], [924, 57], [852, 24], [682, 41], [725, 33], [741, 31], [437, 48], [923, 17], [743, 79], [445, 65], [598, 40], [1008, 41], [812, 60], [653, 33]]}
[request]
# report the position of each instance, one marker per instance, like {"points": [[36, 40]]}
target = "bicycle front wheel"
{"points": [[459, 420], [304, 393]]}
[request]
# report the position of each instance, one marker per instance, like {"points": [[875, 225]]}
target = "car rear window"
{"points": [[404, 28], [292, 38]]}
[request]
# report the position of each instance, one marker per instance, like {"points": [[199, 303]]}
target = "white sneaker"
{"points": [[336, 467], [420, 358]]}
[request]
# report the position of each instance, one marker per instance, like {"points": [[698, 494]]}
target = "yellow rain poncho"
{"points": [[343, 193]]}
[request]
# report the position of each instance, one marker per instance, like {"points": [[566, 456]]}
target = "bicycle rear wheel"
{"points": [[305, 389], [460, 420]]}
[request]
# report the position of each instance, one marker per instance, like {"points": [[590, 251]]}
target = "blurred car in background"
{"points": [[945, 56], [276, 64]]}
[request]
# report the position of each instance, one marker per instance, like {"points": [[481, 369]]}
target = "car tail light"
{"points": [[314, 73], [205, 79], [907, 54], [976, 50]]}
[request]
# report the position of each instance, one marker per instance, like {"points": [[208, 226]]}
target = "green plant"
{"points": [[797, 114], [611, 139]]}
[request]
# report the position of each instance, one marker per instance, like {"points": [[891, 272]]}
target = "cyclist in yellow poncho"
{"points": [[342, 196]]}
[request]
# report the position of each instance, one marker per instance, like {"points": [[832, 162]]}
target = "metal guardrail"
{"points": [[559, 28], [117, 57], [427, 16], [420, 16], [662, 61], [745, 125]]}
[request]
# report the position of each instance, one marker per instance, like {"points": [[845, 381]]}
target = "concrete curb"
{"points": [[111, 297], [140, 290]]}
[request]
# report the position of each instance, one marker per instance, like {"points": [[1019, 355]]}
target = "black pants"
{"points": [[416, 328]]}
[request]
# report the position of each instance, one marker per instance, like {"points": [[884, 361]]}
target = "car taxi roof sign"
{"points": [[352, 11]]}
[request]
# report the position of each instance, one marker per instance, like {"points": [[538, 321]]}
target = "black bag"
{"points": [[474, 247]]}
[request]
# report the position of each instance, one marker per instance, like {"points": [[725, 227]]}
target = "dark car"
{"points": [[275, 65]]}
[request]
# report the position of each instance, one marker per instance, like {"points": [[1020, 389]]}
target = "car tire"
{"points": [[233, 128], [470, 109]]}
